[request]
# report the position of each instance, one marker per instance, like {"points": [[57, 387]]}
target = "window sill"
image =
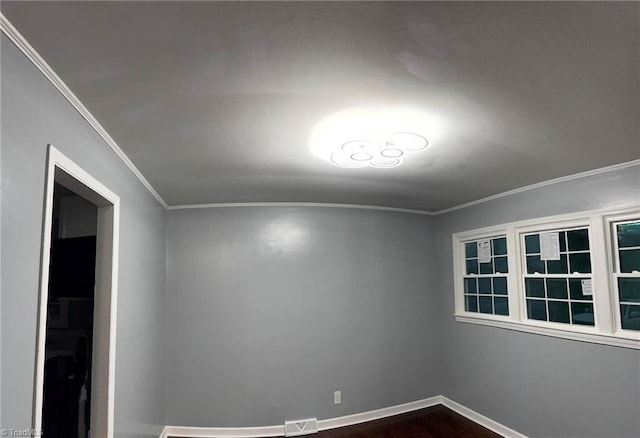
{"points": [[621, 339]]}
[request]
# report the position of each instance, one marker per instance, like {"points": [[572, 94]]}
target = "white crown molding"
{"points": [[23, 45], [480, 419], [562, 179], [299, 204], [348, 420], [32, 55]]}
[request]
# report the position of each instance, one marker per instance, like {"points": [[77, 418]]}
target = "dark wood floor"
{"points": [[434, 422]]}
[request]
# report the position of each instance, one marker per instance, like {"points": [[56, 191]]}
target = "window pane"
{"points": [[500, 246], [534, 264], [562, 236], [472, 266], [578, 240], [558, 266], [575, 289], [501, 265], [501, 305], [486, 305], [580, 263], [486, 268], [532, 244], [534, 287], [630, 260], [470, 286], [471, 303], [557, 288], [559, 311], [582, 313], [500, 286], [630, 316], [629, 235], [471, 250], [537, 309], [484, 285], [629, 289]]}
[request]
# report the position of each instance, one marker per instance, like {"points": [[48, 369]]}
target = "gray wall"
{"points": [[34, 114], [269, 310], [540, 386]]}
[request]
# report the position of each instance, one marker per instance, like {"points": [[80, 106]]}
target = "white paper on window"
{"points": [[587, 287], [484, 251], [550, 246]]}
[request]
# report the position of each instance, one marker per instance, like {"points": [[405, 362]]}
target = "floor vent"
{"points": [[301, 427]]}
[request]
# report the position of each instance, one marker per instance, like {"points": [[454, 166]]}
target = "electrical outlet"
{"points": [[337, 397]]}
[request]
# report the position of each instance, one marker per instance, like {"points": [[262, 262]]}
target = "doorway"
{"points": [[69, 327], [74, 386]]}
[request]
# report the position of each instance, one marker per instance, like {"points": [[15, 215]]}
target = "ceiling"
{"points": [[216, 102]]}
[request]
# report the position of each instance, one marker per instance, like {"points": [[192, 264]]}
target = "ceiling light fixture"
{"points": [[371, 137], [383, 154]]}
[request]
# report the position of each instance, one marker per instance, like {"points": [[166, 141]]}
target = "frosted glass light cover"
{"points": [[382, 153], [409, 141]]}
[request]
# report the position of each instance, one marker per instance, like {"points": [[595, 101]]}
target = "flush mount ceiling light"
{"points": [[381, 153], [382, 138]]}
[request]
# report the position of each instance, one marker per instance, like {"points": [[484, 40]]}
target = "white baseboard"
{"points": [[480, 419], [222, 432], [347, 420], [350, 420]]}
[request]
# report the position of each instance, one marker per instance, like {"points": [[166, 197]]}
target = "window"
{"points": [[574, 276], [485, 279], [558, 285], [627, 273]]}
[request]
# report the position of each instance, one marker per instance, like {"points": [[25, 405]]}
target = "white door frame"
{"points": [[62, 170]]}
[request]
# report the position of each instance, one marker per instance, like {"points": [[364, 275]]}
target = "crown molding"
{"points": [[23, 45], [588, 173], [32, 55], [300, 204], [562, 179]]}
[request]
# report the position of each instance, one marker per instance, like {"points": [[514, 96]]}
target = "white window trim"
{"points": [[601, 310], [614, 265], [607, 330], [460, 256]]}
